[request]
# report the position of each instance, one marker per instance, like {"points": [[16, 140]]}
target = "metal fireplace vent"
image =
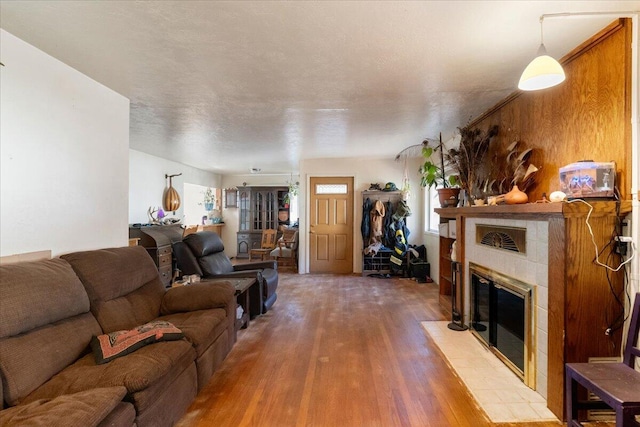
{"points": [[511, 239]]}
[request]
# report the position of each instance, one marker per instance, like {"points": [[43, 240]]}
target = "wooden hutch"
{"points": [[260, 208]]}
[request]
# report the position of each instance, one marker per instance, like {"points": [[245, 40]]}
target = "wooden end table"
{"points": [[242, 287]]}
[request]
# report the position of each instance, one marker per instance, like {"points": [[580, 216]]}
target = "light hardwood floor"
{"points": [[339, 351]]}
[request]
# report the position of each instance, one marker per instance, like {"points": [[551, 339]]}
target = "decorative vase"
{"points": [[448, 197], [208, 206], [516, 196]]}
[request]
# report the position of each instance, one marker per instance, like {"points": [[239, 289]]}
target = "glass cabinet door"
{"points": [[258, 210], [271, 210], [245, 211]]}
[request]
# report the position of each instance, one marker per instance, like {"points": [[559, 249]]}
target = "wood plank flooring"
{"points": [[339, 351]]}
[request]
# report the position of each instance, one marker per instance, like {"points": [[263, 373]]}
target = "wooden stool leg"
{"points": [[625, 417], [571, 400]]}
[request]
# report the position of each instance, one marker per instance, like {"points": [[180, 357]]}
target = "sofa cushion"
{"points": [[86, 408], [201, 327], [215, 264], [208, 248], [198, 296], [123, 415], [34, 294], [187, 262], [30, 359], [107, 347], [123, 284], [136, 371], [204, 243]]}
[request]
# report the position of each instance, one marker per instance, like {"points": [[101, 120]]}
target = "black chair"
{"points": [[616, 384], [203, 254]]}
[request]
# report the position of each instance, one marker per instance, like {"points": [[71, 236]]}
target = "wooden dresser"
{"points": [[157, 240]]}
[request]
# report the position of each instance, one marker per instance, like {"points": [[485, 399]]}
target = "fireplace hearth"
{"points": [[502, 319]]}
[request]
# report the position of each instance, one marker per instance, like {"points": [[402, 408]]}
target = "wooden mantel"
{"points": [[580, 295], [537, 211]]}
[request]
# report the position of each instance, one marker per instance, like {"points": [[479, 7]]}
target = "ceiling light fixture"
{"points": [[544, 71]]}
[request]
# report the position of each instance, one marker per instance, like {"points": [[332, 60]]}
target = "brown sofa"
{"points": [[49, 312]]}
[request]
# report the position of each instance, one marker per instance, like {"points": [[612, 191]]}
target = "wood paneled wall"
{"points": [[586, 117]]}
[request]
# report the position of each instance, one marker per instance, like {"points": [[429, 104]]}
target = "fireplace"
{"points": [[502, 319]]}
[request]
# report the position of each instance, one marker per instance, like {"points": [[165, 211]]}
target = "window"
{"points": [[331, 189], [432, 219], [195, 211]]}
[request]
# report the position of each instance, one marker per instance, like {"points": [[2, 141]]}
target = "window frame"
{"points": [[432, 219]]}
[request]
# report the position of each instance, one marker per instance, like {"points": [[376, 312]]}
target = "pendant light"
{"points": [[543, 72]]}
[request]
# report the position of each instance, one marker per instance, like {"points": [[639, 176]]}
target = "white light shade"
{"points": [[541, 73]]}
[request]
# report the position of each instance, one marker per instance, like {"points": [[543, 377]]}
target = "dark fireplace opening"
{"points": [[501, 318], [509, 325]]}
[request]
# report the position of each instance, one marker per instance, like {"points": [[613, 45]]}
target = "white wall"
{"points": [[147, 183], [364, 172], [64, 148]]}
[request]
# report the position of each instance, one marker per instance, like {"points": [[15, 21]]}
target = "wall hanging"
{"points": [[171, 198]]}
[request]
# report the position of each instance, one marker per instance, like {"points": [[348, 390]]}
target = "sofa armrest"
{"points": [[198, 296], [259, 265], [85, 408], [256, 274]]}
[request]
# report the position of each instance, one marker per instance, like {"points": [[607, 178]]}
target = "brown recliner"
{"points": [[203, 254]]}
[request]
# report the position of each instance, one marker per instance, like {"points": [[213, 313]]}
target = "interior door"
{"points": [[331, 225]]}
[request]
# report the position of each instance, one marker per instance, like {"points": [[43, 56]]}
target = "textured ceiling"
{"points": [[227, 86]]}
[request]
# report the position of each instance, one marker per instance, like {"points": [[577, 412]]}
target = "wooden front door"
{"points": [[331, 225]]}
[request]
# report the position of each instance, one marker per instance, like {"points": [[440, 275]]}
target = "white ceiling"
{"points": [[227, 86]]}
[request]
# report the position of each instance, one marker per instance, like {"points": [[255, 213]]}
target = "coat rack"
{"points": [[171, 198]]}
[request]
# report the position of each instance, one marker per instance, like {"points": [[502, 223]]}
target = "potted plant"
{"points": [[293, 192], [433, 174], [209, 199]]}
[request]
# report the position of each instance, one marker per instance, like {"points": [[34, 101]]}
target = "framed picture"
{"points": [[231, 198]]}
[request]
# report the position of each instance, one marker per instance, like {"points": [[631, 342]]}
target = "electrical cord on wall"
{"points": [[595, 245], [619, 320]]}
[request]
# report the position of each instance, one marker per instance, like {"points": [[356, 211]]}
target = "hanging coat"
{"points": [[400, 244], [389, 237], [365, 227], [377, 218]]}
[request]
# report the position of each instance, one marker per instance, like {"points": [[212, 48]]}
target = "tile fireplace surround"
{"points": [[531, 268], [497, 390], [570, 290]]}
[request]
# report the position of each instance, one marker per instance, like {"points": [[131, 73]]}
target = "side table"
{"points": [[244, 286], [242, 296]]}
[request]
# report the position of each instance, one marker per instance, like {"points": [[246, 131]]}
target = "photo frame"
{"points": [[231, 198]]}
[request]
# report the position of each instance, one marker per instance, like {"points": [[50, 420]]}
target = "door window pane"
{"points": [[331, 188]]}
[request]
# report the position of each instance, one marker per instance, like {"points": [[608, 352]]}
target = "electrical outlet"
{"points": [[620, 244]]}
